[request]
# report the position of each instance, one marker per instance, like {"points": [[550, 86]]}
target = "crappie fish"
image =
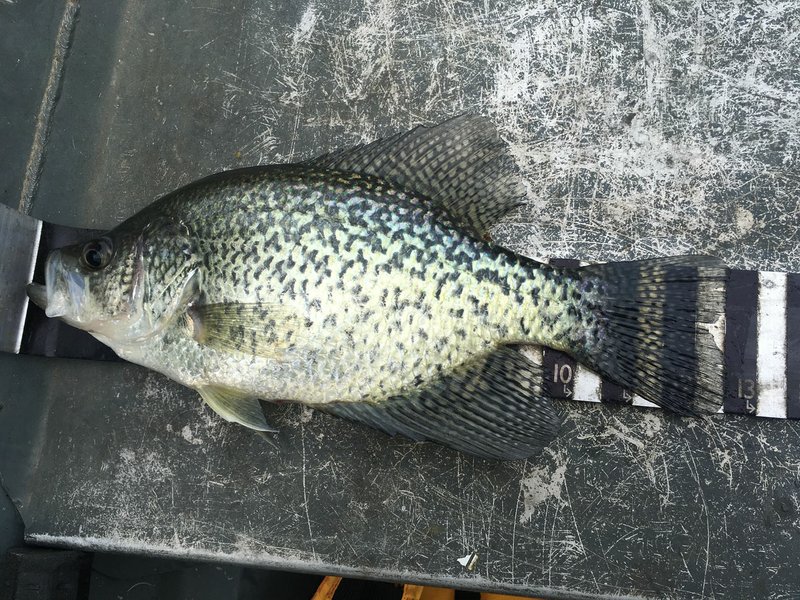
{"points": [[363, 283]]}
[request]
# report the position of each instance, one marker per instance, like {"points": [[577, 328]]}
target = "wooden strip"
{"points": [[327, 588], [412, 592]]}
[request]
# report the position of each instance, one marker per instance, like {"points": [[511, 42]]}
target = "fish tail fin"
{"points": [[659, 329]]}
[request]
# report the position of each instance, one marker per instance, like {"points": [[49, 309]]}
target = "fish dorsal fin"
{"points": [[492, 407], [236, 407], [461, 165]]}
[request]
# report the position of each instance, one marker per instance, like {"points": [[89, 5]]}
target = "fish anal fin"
{"points": [[236, 407], [492, 407]]}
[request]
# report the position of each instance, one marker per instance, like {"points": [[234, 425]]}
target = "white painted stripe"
{"points": [[771, 360], [639, 401], [23, 315], [587, 385]]}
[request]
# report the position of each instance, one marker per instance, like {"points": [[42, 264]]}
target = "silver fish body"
{"points": [[335, 285], [362, 290]]}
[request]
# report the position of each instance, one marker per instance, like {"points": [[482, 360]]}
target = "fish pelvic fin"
{"points": [[491, 407], [655, 333], [461, 165], [236, 407]]}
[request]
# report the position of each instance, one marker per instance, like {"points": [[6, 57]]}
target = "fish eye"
{"points": [[96, 254]]}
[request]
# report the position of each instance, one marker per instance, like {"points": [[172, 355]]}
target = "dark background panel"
{"points": [[641, 129], [27, 34]]}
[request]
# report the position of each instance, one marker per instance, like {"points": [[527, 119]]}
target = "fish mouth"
{"points": [[37, 294], [63, 289]]}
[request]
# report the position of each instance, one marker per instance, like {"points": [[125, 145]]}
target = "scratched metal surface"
{"points": [[626, 502], [642, 128]]}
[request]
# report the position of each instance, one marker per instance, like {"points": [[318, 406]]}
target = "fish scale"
{"points": [[386, 255]]}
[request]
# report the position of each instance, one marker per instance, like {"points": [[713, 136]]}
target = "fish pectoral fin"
{"points": [[261, 329], [236, 407], [462, 166], [492, 407]]}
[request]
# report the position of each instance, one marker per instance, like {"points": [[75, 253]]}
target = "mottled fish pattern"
{"points": [[363, 283]]}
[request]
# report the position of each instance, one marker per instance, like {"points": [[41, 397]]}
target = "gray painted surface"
{"points": [[11, 529], [27, 34], [629, 502], [642, 128]]}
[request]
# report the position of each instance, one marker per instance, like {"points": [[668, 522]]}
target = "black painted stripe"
{"points": [[793, 345], [741, 343], [559, 374], [559, 368], [612, 393], [679, 345]]}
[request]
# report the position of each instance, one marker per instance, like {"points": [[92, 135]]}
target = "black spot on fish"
{"points": [[305, 228], [523, 327], [439, 285]]}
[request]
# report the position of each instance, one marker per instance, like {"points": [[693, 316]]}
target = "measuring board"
{"points": [[761, 337]]}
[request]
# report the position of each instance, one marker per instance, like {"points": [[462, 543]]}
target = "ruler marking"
{"points": [[741, 343], [771, 367], [587, 385]]}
